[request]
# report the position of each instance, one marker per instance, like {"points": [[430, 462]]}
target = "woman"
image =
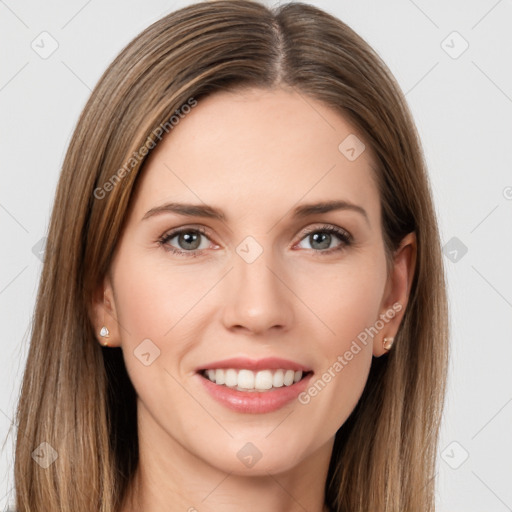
{"points": [[243, 302]]}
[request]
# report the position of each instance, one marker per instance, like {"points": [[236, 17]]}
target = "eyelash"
{"points": [[342, 235]]}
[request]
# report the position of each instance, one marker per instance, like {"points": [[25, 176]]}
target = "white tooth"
{"points": [[278, 379], [231, 378], [220, 376], [288, 377], [263, 380], [246, 379]]}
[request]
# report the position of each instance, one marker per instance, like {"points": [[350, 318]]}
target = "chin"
{"points": [[258, 457]]}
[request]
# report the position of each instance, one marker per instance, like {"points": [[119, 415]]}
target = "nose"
{"points": [[258, 300]]}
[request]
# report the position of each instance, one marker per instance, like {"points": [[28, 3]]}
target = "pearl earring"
{"points": [[387, 343], [104, 333]]}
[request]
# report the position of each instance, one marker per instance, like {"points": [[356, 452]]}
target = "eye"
{"points": [[326, 239], [190, 241], [185, 241]]}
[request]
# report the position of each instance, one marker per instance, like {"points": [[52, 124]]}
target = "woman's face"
{"points": [[262, 275]]}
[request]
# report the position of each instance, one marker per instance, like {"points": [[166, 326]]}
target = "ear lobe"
{"points": [[103, 315], [396, 295]]}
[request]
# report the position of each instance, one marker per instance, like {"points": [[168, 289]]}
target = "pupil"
{"points": [[189, 240], [324, 240]]}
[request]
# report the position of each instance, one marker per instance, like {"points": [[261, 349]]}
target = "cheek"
{"points": [[141, 309], [346, 298], [151, 302], [160, 302], [152, 297]]}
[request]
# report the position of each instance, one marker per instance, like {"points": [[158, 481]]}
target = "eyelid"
{"points": [[189, 227], [323, 226], [171, 233]]}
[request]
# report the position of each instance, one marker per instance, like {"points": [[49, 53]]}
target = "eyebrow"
{"points": [[189, 210], [302, 211], [306, 210]]}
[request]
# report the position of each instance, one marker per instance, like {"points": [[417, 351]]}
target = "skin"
{"points": [[256, 155]]}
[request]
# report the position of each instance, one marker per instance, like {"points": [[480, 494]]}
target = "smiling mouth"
{"points": [[254, 381]]}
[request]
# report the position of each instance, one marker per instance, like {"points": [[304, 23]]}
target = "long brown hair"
{"points": [[76, 396]]}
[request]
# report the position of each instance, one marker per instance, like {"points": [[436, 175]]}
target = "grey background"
{"points": [[462, 105]]}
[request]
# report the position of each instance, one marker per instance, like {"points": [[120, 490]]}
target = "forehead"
{"points": [[259, 151]]}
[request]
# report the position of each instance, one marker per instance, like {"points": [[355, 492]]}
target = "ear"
{"points": [[103, 315], [396, 293]]}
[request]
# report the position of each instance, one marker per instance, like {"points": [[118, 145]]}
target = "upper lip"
{"points": [[267, 363]]}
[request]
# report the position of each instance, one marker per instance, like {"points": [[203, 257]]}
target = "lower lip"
{"points": [[255, 402]]}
